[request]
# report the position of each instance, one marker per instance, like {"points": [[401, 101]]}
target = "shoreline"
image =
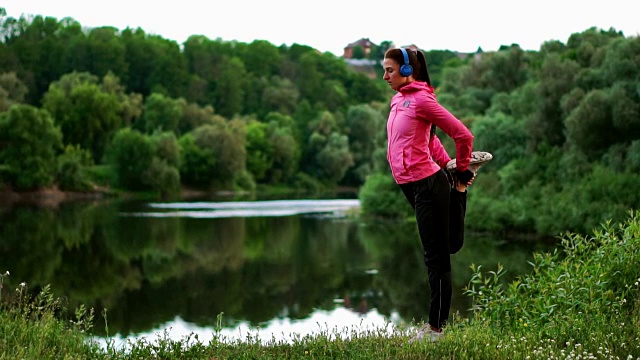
{"points": [[52, 196]]}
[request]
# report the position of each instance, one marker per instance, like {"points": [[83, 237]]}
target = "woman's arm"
{"points": [[435, 113]]}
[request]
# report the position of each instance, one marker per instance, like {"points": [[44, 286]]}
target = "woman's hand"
{"points": [[462, 187]]}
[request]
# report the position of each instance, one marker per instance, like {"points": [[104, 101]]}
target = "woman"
{"points": [[418, 159]]}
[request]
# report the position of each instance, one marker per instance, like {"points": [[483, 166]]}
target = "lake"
{"points": [[272, 269]]}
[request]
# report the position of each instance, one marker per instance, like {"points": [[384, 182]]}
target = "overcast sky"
{"points": [[329, 25]]}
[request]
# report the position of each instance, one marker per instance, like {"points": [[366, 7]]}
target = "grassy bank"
{"points": [[579, 302]]}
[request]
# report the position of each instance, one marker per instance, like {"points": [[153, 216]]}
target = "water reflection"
{"points": [[158, 266], [339, 321], [269, 208]]}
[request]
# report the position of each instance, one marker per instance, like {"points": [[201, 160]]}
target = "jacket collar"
{"points": [[416, 86]]}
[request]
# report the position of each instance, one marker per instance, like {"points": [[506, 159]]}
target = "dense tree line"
{"points": [[563, 124], [140, 112], [146, 113]]}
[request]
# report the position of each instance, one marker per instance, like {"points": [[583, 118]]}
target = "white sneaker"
{"points": [[427, 334], [478, 158]]}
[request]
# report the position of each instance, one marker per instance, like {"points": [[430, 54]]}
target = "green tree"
{"points": [[280, 96], [625, 110], [154, 64], [12, 90], [362, 89], [204, 59], [72, 166], [212, 154], [166, 148], [309, 78], [286, 149], [589, 125], [39, 50], [315, 136], [334, 159], [261, 58], [436, 61], [259, 149], [502, 136], [193, 116], [586, 47], [366, 131], [87, 115], [507, 69], [131, 153], [161, 113], [197, 163], [100, 52], [29, 142], [556, 79], [162, 177], [632, 158], [229, 93], [335, 95], [132, 103], [621, 60]]}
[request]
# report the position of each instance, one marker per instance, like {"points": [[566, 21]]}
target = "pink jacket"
{"points": [[411, 157]]}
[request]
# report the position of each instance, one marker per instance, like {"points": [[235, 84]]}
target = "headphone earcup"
{"points": [[406, 70]]}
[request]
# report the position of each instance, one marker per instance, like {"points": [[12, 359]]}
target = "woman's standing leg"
{"points": [[431, 203]]}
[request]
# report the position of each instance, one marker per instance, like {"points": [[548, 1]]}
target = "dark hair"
{"points": [[416, 60], [423, 74]]}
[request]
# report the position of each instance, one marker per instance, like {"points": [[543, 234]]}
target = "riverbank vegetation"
{"points": [[108, 110], [581, 301], [86, 108], [563, 124]]}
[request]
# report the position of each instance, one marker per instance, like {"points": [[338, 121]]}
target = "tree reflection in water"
{"points": [[159, 267]]}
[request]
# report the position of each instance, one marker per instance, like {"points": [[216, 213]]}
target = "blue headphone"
{"points": [[406, 69]]}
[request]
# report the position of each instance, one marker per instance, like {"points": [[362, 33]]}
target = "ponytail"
{"points": [[424, 71], [424, 76]]}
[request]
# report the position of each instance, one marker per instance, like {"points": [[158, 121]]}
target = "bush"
{"points": [[308, 183], [131, 153], [162, 177], [71, 169], [243, 180], [103, 175], [381, 196], [29, 141], [583, 293]]}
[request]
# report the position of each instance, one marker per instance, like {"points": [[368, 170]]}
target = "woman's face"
{"points": [[392, 74]]}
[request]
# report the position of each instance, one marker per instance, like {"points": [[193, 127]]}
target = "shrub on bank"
{"points": [[381, 196]]}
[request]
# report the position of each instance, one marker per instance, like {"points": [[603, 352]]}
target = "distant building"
{"points": [[364, 43], [365, 65]]}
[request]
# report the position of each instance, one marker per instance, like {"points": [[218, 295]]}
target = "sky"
{"points": [[330, 25]]}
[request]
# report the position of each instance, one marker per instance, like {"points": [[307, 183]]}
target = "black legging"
{"points": [[440, 212]]}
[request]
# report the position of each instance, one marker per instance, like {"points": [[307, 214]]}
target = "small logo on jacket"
{"points": [[406, 103]]}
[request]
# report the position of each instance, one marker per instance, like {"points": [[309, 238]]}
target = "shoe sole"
{"points": [[478, 158]]}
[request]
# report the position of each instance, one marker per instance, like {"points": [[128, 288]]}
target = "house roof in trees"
{"points": [[364, 42]]}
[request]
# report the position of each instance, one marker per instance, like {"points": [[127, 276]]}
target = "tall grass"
{"points": [[31, 328], [580, 301]]}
